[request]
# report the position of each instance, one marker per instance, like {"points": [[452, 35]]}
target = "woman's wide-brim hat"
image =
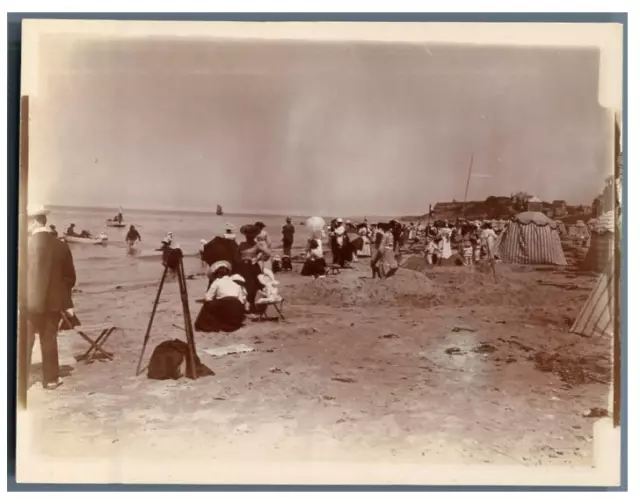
{"points": [[218, 265], [250, 230], [37, 211]]}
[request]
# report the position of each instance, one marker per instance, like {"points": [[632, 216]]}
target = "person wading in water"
{"points": [[133, 236]]}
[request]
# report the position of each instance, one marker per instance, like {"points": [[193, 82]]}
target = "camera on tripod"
{"points": [[172, 261], [172, 257]]}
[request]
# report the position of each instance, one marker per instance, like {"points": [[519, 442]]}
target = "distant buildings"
{"points": [[503, 207]]}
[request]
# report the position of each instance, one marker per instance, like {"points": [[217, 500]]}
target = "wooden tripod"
{"points": [[188, 327]]}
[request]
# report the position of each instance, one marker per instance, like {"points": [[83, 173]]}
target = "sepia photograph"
{"points": [[320, 253]]}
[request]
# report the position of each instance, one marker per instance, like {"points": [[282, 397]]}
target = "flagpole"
{"points": [[466, 190]]}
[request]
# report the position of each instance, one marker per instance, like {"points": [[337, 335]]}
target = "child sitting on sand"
{"points": [[467, 253]]}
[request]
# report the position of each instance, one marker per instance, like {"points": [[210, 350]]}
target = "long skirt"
{"points": [[314, 267], [224, 314], [250, 272], [385, 261], [365, 251]]}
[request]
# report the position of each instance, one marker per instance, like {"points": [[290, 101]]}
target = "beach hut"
{"points": [[597, 317], [530, 238], [601, 249]]}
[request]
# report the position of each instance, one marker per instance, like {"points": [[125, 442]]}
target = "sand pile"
{"points": [[353, 289], [415, 263]]}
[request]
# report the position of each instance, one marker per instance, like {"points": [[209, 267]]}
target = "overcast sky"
{"points": [[306, 128]]}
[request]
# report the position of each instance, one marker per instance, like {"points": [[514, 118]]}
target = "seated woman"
{"points": [[252, 253], [223, 308], [314, 264]]}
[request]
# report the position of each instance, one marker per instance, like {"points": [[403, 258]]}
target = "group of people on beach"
{"points": [[469, 242], [241, 277]]}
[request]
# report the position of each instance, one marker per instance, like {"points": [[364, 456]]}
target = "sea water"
{"points": [[105, 267]]}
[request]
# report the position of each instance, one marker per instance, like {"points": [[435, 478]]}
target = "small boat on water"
{"points": [[117, 221], [86, 241], [219, 210]]}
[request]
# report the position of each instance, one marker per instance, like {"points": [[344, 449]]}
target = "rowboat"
{"points": [[115, 223], [86, 241]]}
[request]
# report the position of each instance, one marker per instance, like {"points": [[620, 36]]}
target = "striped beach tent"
{"points": [[597, 317], [531, 238]]}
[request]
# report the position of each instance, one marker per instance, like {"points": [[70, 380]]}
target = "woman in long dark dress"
{"points": [[341, 246], [223, 308], [251, 253]]}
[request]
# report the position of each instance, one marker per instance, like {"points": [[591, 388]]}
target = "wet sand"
{"points": [[432, 367]]}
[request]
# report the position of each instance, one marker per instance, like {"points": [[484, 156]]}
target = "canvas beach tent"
{"points": [[531, 238], [597, 317]]}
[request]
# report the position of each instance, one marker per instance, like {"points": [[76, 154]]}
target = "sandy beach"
{"points": [[434, 366]]}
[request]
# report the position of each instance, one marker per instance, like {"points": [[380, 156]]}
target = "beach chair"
{"points": [[276, 304], [96, 349]]}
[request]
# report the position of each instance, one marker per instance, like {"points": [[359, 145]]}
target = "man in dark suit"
{"points": [[50, 277]]}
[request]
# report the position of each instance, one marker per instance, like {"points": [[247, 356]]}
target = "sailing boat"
{"points": [[117, 221], [219, 210]]}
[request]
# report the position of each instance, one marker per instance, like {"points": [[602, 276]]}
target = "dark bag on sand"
{"points": [[168, 360], [276, 265]]}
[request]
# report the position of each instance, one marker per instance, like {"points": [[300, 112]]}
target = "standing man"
{"points": [[50, 277], [288, 230], [133, 236]]}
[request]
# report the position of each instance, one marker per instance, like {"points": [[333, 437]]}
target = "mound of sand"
{"points": [[513, 285], [354, 289]]}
